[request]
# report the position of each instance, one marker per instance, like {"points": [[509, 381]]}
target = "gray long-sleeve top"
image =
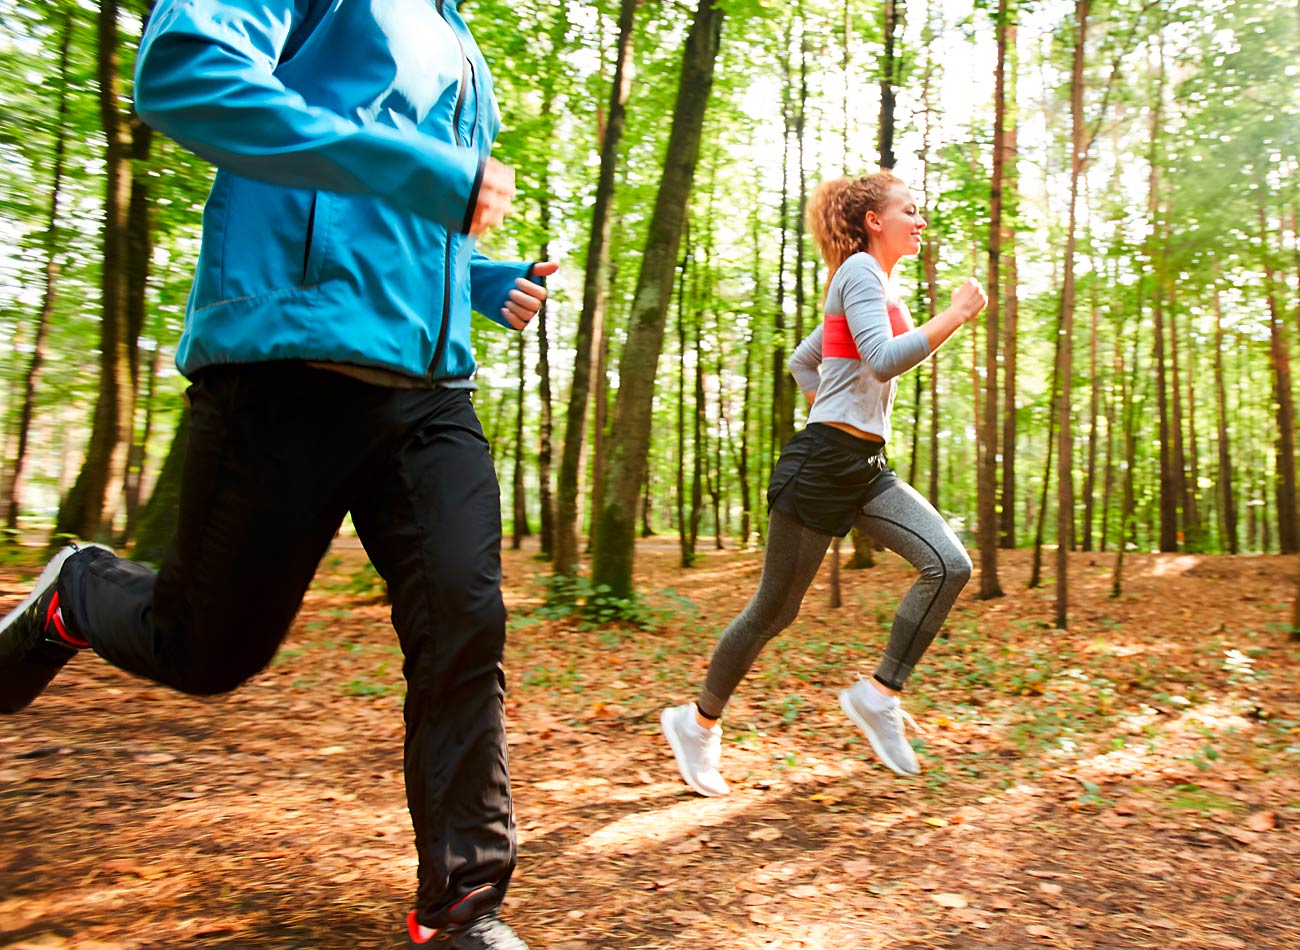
{"points": [[852, 359]]}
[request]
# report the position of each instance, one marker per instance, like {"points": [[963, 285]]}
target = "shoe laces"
{"points": [[906, 717], [706, 739], [902, 718]]}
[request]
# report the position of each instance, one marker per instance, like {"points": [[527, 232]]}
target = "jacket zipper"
{"points": [[444, 331]]}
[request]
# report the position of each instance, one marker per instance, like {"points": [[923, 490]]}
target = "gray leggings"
{"points": [[897, 518]]}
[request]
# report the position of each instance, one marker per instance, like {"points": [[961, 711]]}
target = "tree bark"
{"points": [[1155, 256], [159, 516], [86, 511], [1065, 447], [519, 500], [1288, 529], [613, 548], [1010, 323], [1227, 500], [546, 437], [986, 480], [1094, 406], [892, 14], [591, 319], [685, 543]]}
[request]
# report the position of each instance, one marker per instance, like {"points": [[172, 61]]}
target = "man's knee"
{"points": [[209, 666]]}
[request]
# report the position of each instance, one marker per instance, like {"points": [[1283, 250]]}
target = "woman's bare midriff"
{"points": [[855, 432]]}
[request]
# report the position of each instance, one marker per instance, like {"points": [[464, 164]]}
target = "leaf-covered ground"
{"points": [[1133, 782]]}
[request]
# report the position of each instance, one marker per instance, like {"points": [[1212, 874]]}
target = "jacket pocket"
{"points": [[313, 258], [271, 240]]}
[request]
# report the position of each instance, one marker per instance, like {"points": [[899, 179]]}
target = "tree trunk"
{"points": [[1227, 501], [1288, 530], [613, 549], [159, 516], [49, 293], [986, 479], [519, 501], [546, 436], [1179, 486], [137, 456], [592, 317], [1155, 257], [1195, 530], [747, 397], [1094, 401], [783, 390], [800, 225], [1035, 573], [685, 543], [717, 485], [930, 267], [1065, 447], [1128, 507], [86, 512], [699, 440], [1112, 412], [1010, 323], [836, 595], [846, 60], [892, 12]]}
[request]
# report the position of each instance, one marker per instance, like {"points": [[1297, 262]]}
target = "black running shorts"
{"points": [[825, 476]]}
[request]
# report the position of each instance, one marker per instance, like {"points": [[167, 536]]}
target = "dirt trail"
{"points": [[1131, 783]]}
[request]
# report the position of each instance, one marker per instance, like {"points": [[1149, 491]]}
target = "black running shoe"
{"points": [[34, 641], [488, 932]]}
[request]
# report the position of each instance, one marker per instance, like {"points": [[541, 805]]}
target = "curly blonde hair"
{"points": [[836, 210]]}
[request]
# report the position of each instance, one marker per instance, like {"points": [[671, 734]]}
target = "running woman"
{"points": [[833, 475]]}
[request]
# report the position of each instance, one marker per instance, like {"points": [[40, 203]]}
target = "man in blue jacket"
{"points": [[327, 341]]}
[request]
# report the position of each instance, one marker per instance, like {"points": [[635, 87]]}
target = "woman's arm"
{"points": [[867, 312], [805, 361], [865, 308]]}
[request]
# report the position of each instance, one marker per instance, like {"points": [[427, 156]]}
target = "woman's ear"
{"points": [[872, 222]]}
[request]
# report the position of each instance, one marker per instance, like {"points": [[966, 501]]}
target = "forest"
{"points": [[1121, 176], [1113, 711]]}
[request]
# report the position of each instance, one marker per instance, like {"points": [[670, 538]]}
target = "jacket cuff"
{"points": [[473, 196]]}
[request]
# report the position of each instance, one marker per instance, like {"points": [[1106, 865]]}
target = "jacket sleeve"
{"points": [[490, 283], [205, 76], [867, 312], [805, 360]]}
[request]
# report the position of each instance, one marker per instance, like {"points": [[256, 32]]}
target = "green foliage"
{"points": [[596, 608], [1195, 98]]}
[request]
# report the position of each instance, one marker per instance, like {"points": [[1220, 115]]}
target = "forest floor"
{"points": [[1133, 782]]}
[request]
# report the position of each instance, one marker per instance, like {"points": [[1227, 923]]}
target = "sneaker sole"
{"points": [[23, 680], [876, 745], [680, 755], [47, 577]]}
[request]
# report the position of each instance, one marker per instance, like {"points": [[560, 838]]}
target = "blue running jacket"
{"points": [[350, 138]]}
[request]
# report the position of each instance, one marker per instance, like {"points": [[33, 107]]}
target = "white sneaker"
{"points": [[696, 749], [886, 727]]}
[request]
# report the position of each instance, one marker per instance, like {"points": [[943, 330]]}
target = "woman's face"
{"points": [[896, 229]]}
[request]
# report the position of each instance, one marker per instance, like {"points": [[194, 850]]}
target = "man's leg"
{"points": [[432, 527], [272, 458]]}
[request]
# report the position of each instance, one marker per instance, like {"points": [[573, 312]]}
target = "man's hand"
{"points": [[527, 297], [495, 193]]}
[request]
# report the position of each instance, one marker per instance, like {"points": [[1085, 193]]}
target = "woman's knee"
{"points": [[950, 566], [959, 567]]}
